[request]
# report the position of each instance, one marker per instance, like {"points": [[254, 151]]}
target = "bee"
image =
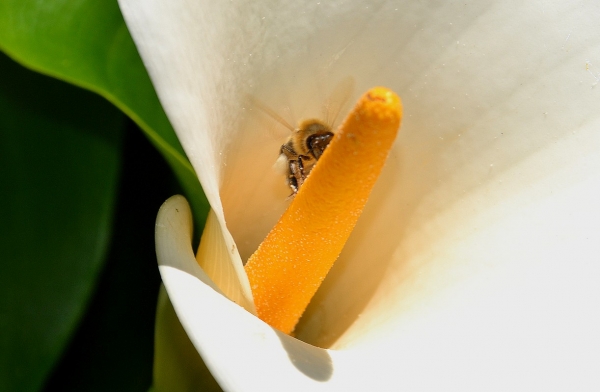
{"points": [[302, 150], [307, 142]]}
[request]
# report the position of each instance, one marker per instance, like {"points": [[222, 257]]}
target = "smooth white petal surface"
{"points": [[476, 261]]}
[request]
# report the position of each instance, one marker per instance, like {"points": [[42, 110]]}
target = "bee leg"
{"points": [[301, 176], [296, 175], [293, 176]]}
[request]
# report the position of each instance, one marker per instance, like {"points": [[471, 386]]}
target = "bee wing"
{"points": [[338, 99], [269, 112]]}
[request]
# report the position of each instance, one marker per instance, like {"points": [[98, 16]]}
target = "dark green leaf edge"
{"points": [[178, 162]]}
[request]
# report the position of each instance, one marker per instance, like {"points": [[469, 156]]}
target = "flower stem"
{"points": [[289, 265]]}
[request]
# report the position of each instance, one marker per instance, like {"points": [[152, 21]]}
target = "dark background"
{"points": [[112, 349]]}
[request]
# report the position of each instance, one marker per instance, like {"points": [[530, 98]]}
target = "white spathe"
{"points": [[476, 263]]}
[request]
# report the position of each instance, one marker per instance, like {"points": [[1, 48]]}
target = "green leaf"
{"points": [[59, 165], [112, 349], [86, 42]]}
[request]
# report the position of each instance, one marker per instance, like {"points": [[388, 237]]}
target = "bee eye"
{"points": [[310, 141], [317, 143]]}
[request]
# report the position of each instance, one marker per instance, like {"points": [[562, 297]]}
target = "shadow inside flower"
{"points": [[313, 362]]}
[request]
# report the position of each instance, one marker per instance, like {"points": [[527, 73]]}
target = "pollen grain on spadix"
{"points": [[289, 265]]}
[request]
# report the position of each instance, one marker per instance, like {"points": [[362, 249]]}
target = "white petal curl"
{"points": [[237, 347]]}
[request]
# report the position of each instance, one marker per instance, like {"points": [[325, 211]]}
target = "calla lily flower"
{"points": [[475, 265]]}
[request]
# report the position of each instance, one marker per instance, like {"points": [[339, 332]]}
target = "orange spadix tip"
{"points": [[289, 265]]}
